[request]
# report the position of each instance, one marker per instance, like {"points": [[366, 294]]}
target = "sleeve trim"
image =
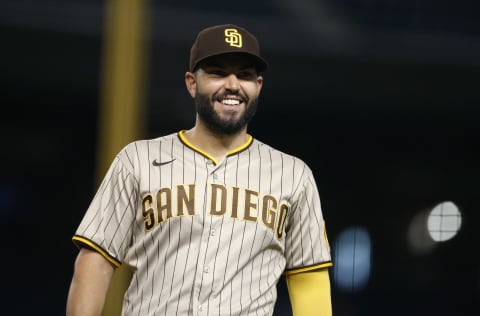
{"points": [[80, 242], [309, 268]]}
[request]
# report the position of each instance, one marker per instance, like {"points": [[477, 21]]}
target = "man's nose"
{"points": [[232, 83]]}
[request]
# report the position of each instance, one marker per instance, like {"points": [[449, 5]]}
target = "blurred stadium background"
{"points": [[381, 98]]}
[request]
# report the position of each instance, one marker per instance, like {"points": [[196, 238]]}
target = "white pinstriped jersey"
{"points": [[205, 237]]}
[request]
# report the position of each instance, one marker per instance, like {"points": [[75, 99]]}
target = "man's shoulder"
{"points": [[162, 138], [143, 146], [262, 146], [153, 141]]}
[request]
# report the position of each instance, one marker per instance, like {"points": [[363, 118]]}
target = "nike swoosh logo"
{"points": [[161, 163]]}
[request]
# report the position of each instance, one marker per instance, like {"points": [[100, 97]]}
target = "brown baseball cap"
{"points": [[225, 39]]}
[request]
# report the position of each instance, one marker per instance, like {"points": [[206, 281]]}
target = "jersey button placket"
{"points": [[203, 281], [200, 310]]}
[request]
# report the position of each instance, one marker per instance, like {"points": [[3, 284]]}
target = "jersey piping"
{"points": [[241, 148], [80, 242], [309, 268]]}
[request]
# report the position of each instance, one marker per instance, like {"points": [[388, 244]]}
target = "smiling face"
{"points": [[226, 90]]}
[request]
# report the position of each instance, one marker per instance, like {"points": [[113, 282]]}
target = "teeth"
{"points": [[230, 102]]}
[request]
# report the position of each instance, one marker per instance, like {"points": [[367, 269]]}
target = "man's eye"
{"points": [[217, 73], [245, 75]]}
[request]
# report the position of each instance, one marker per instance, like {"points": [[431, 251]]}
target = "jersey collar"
{"points": [[184, 140]]}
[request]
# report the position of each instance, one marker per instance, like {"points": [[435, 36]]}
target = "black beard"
{"points": [[218, 125]]}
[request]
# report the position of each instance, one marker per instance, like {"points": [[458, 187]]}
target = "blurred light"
{"points": [[428, 227], [444, 221], [352, 259]]}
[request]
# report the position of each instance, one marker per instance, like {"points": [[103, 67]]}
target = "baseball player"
{"points": [[207, 219]]}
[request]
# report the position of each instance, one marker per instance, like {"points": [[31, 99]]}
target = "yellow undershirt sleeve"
{"points": [[309, 293]]}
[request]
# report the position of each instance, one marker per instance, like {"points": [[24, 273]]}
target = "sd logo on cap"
{"points": [[225, 39]]}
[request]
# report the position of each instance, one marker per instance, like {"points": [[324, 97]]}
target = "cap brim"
{"points": [[259, 63]]}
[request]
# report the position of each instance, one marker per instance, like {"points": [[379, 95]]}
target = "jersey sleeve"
{"points": [[306, 244], [107, 224]]}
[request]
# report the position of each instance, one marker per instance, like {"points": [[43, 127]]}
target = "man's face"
{"points": [[226, 93]]}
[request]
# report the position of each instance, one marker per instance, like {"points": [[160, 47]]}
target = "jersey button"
{"points": [[206, 269], [200, 307], [212, 232]]}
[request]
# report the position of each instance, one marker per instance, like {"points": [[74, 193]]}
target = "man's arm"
{"points": [[90, 282], [310, 293]]}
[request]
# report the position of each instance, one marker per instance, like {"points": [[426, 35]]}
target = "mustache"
{"points": [[219, 96]]}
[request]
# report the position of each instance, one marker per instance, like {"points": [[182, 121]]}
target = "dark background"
{"points": [[379, 97]]}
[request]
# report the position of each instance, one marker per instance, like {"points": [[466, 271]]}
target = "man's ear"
{"points": [[259, 84], [191, 83]]}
